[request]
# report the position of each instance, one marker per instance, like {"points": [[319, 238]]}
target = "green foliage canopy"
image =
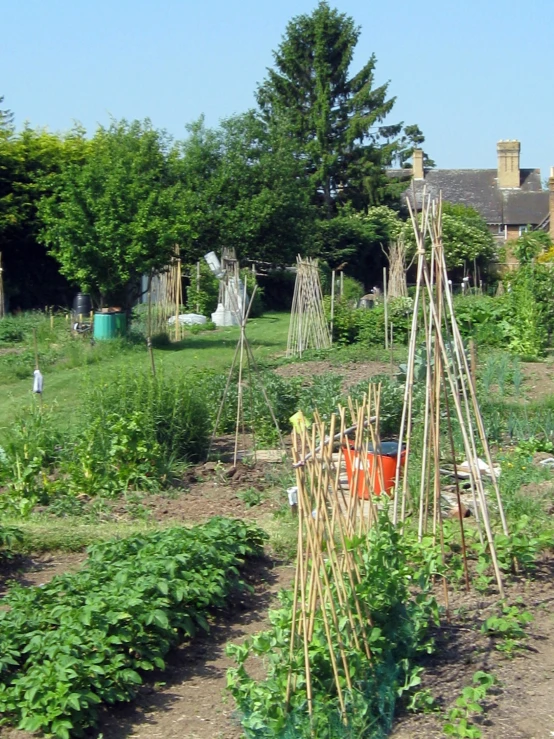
{"points": [[244, 190], [335, 121], [29, 161], [465, 235], [117, 215]]}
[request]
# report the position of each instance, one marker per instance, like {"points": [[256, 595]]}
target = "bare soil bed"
{"points": [[353, 372], [38, 569], [538, 379], [520, 706], [188, 700]]}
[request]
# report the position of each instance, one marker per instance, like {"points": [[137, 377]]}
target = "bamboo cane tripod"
{"points": [[248, 372], [308, 327], [450, 402]]}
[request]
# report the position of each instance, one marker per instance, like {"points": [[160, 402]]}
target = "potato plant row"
{"points": [[85, 639]]}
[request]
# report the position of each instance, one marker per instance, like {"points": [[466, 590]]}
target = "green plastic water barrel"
{"points": [[105, 326], [120, 324]]}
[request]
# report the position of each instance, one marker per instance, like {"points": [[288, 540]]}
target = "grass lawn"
{"points": [[63, 382]]}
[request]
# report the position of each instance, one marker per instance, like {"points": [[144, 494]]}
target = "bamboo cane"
{"points": [[385, 305]]}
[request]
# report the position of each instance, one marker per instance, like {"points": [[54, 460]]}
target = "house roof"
{"points": [[544, 225], [478, 188]]}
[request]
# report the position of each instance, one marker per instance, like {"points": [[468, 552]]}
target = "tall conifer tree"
{"points": [[336, 120]]}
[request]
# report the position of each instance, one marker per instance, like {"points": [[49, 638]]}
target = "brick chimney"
{"points": [[551, 202], [417, 164], [508, 163]]}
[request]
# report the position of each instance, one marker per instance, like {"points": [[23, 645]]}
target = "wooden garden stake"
{"points": [[391, 350], [35, 345], [456, 481], [473, 361], [449, 379], [243, 352], [385, 305], [308, 327], [327, 574], [149, 327], [332, 302], [197, 286]]}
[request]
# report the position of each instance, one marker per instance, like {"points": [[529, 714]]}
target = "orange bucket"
{"points": [[386, 469]]}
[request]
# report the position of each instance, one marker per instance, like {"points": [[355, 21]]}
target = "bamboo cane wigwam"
{"points": [[450, 401], [308, 327], [165, 314], [397, 285], [330, 515]]}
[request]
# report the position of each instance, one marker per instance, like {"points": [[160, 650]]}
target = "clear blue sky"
{"points": [[469, 72]]}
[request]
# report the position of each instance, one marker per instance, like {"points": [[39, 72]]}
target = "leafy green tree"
{"points": [[244, 190], [386, 223], [335, 121], [6, 120], [412, 138], [345, 242], [465, 236], [29, 160], [119, 214]]}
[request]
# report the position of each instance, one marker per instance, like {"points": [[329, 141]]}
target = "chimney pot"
{"points": [[417, 164], [508, 163]]}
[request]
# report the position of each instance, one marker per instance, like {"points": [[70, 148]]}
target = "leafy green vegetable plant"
{"points": [[10, 538], [467, 705], [86, 639], [508, 628], [391, 567]]}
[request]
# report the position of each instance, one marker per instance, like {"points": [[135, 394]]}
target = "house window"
{"points": [[523, 229]]}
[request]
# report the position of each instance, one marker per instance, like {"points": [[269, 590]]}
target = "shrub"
{"points": [[174, 410], [202, 297], [483, 318], [543, 289], [18, 328], [352, 290], [528, 335], [367, 326], [10, 332], [531, 245], [132, 431], [31, 450]]}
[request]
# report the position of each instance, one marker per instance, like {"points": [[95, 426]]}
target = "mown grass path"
{"points": [[214, 350]]}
